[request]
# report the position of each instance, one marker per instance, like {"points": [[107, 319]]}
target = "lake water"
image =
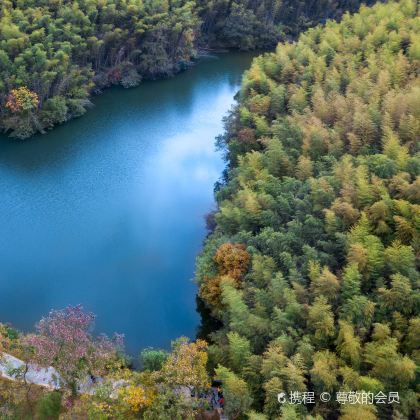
{"points": [[108, 210]]}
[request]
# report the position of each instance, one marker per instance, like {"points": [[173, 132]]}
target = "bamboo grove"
{"points": [[311, 268], [55, 53]]}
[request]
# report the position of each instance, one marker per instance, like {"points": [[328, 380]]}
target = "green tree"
{"points": [[239, 351], [153, 359], [237, 398]]}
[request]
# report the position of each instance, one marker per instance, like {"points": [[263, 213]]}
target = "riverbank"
{"points": [[27, 374], [15, 369], [50, 66]]}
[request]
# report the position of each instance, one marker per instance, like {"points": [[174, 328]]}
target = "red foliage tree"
{"points": [[64, 341]]}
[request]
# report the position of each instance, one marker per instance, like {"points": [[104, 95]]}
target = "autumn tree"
{"points": [[64, 341]]}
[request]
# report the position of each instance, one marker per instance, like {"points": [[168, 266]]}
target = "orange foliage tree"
{"points": [[232, 263], [21, 99], [232, 260]]}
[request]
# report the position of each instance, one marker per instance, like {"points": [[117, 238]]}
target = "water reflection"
{"points": [[108, 210]]}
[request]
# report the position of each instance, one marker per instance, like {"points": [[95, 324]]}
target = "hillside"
{"points": [[55, 54], [311, 267]]}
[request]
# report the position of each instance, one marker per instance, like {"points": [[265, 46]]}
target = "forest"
{"points": [[310, 269], [55, 54]]}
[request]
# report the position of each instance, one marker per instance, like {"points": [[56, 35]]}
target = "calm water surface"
{"points": [[108, 210]]}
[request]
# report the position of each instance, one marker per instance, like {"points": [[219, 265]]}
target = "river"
{"points": [[108, 210]]}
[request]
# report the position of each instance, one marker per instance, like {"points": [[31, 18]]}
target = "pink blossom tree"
{"points": [[64, 341]]}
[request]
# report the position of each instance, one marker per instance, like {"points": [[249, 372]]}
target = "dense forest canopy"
{"points": [[55, 53], [261, 24], [311, 269]]}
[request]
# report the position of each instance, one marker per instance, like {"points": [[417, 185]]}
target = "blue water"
{"points": [[108, 210]]}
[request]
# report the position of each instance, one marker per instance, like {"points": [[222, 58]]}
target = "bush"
{"points": [[153, 359], [48, 407]]}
